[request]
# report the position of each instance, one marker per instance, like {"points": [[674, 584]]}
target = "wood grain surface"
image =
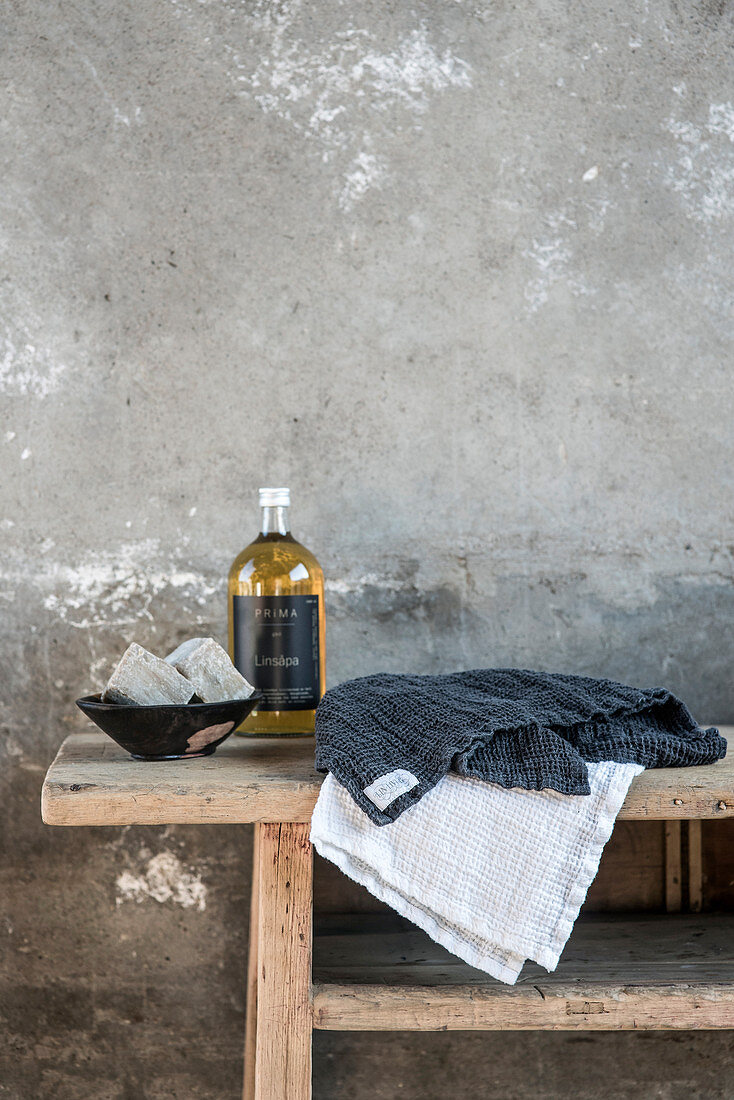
{"points": [[94, 782], [378, 973], [283, 1015]]}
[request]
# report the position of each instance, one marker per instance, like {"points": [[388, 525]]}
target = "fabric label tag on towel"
{"points": [[388, 787]]}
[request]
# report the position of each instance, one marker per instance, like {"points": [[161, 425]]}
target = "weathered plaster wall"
{"points": [[461, 274]]}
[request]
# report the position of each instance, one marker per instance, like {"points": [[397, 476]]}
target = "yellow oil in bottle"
{"points": [[276, 624]]}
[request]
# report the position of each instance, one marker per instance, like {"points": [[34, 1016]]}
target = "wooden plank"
{"points": [[647, 950], [673, 867], [94, 782], [667, 793], [695, 867], [624, 974], [248, 1084], [718, 860], [284, 1019], [472, 1008], [631, 873]]}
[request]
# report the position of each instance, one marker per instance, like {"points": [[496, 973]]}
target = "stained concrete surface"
{"points": [[460, 274]]}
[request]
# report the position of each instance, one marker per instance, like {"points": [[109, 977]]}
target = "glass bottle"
{"points": [[276, 624]]}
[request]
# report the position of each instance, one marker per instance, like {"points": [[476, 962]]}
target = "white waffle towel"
{"points": [[495, 876]]}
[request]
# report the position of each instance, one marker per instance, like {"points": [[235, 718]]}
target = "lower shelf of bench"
{"points": [[380, 973]]}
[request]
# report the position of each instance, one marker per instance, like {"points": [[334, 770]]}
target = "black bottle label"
{"points": [[276, 648]]}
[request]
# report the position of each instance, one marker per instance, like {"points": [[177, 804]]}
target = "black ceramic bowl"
{"points": [[168, 732]]}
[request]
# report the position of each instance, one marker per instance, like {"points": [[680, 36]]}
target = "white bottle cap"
{"points": [[275, 498]]}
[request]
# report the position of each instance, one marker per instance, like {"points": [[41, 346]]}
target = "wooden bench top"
{"points": [[94, 782]]}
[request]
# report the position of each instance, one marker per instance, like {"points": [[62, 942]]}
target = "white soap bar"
{"points": [[183, 651], [141, 677], [207, 666]]}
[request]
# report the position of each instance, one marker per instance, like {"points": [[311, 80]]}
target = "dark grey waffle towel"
{"points": [[398, 736]]}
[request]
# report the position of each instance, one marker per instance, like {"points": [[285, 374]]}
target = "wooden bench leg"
{"points": [[695, 866], [673, 867], [284, 947], [248, 1091]]}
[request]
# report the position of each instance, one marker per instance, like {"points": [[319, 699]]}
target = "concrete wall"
{"points": [[460, 273]]}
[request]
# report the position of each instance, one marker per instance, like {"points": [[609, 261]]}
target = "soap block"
{"points": [[185, 650], [141, 677], [208, 668]]}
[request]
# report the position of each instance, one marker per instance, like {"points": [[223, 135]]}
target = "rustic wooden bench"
{"points": [[375, 972]]}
